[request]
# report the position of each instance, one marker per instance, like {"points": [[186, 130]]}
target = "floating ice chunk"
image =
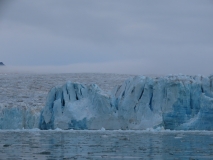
{"points": [[103, 129], [58, 129]]}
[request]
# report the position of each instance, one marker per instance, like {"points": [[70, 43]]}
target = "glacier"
{"points": [[175, 102], [19, 117]]}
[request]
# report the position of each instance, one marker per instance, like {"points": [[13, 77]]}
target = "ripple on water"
{"points": [[105, 145]]}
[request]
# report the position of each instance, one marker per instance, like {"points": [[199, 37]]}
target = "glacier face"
{"points": [[176, 102], [23, 95], [21, 117], [77, 106]]}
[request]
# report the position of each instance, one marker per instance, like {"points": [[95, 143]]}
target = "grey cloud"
{"points": [[172, 36]]}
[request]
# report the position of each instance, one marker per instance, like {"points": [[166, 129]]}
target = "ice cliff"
{"points": [[175, 102], [19, 117]]}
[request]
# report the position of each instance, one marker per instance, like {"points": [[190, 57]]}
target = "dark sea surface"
{"points": [[35, 144]]}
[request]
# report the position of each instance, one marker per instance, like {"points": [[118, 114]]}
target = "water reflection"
{"points": [[105, 145]]}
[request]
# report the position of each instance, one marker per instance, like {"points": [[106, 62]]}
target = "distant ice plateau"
{"points": [[175, 102]]}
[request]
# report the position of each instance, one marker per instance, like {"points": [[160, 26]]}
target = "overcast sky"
{"points": [[122, 36]]}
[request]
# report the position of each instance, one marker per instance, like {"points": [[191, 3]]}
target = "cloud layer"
{"points": [[140, 37]]}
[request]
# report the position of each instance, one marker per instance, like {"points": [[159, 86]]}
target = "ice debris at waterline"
{"points": [[175, 102]]}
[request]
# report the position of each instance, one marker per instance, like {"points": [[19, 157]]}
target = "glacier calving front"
{"points": [[175, 102]]}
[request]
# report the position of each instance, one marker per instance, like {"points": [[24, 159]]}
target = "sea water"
{"points": [[36, 144]]}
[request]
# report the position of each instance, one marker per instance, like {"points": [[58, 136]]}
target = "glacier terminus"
{"points": [[175, 102]]}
